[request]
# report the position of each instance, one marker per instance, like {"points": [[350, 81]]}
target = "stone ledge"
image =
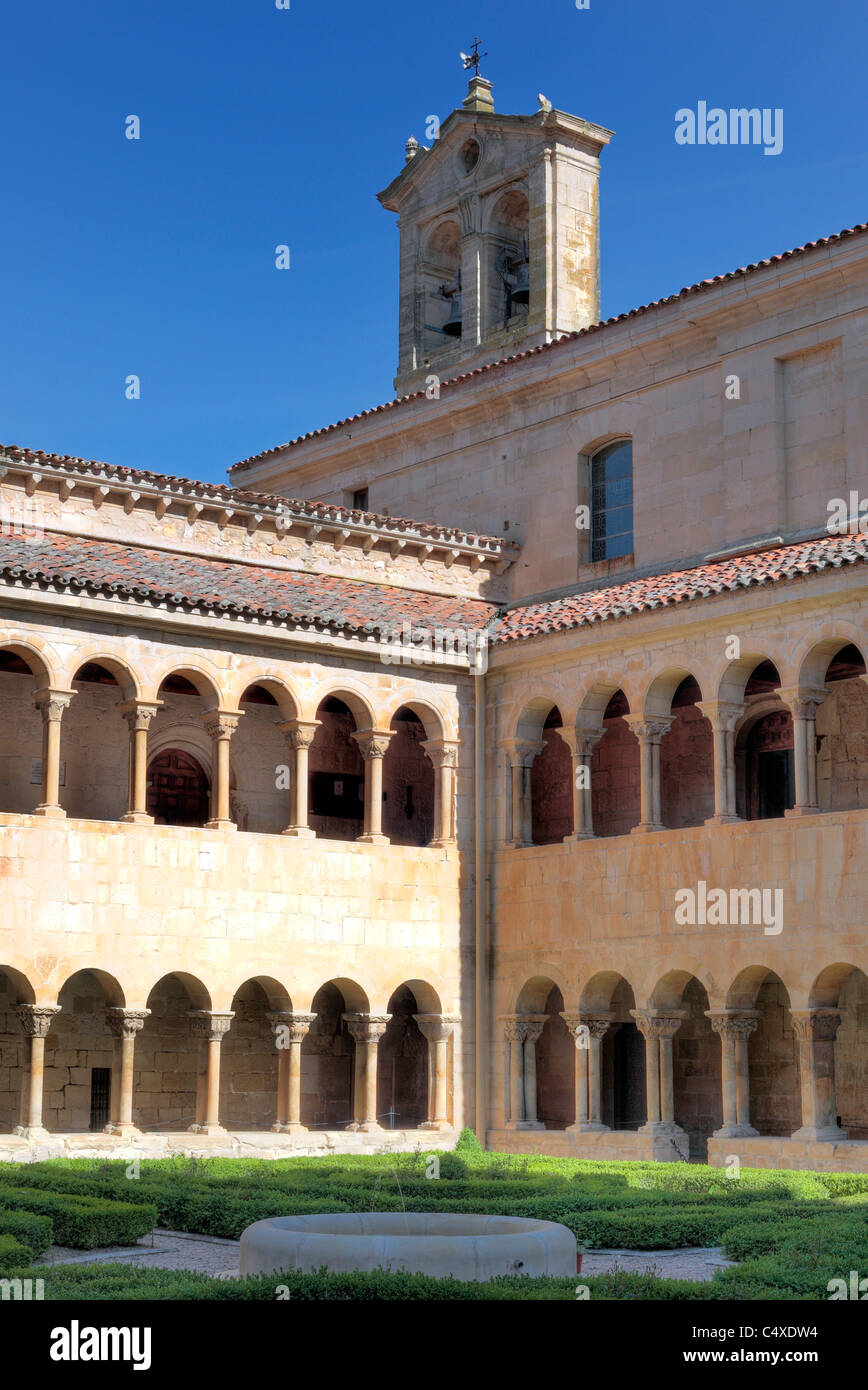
{"points": [[240, 1144]]}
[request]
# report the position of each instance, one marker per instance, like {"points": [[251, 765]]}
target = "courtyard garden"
{"points": [[788, 1233]]}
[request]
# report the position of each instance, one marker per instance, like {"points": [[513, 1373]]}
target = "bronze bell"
{"points": [[520, 268], [452, 326]]}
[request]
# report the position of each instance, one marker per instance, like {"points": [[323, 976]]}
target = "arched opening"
{"points": [[259, 802], [80, 1089], [178, 789], [408, 782], [615, 789], [507, 293], [611, 494], [765, 778], [842, 733], [337, 774], [249, 1057], [328, 1063], [14, 990], [167, 1055], [95, 742], [555, 1051], [696, 1062], [845, 987], [21, 736], [551, 785], [775, 1093], [402, 1066], [622, 1054], [441, 282], [687, 761]]}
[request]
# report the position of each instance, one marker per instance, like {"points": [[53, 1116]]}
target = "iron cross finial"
{"points": [[473, 59]]}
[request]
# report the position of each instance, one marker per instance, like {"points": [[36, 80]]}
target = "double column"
{"points": [[521, 1032], [649, 733], [815, 1031], [51, 703], [581, 743], [372, 745], [803, 704], [366, 1030], [299, 734], [210, 1028], [588, 1031], [734, 1027], [124, 1024], [138, 714], [520, 753], [437, 1030], [658, 1028], [444, 755], [290, 1030], [723, 716], [35, 1022], [220, 725]]}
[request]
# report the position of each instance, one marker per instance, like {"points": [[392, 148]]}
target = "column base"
{"points": [[50, 812], [33, 1132], [524, 1124], [137, 818], [300, 832], [586, 1127], [735, 1132], [125, 1131], [579, 835], [370, 1127], [206, 1129], [795, 811], [723, 820], [647, 827], [290, 1127], [372, 839], [442, 844], [824, 1134], [435, 1124], [220, 825], [664, 1127]]}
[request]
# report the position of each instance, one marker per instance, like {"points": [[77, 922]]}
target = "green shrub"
{"points": [[13, 1253], [83, 1222], [34, 1232], [468, 1145]]}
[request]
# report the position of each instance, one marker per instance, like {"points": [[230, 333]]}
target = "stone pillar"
{"points": [[513, 1031], [658, 1029], [373, 744], [51, 704], [723, 715], [138, 714], [649, 733], [290, 1030], [299, 734], [588, 1031], [815, 1030], [211, 1028], [444, 755], [521, 1032], [437, 1028], [521, 753], [533, 1026], [220, 724], [125, 1024], [581, 743], [734, 1027], [35, 1022], [367, 1029], [803, 708]]}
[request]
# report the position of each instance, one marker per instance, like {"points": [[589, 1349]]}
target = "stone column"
{"points": [[723, 715], [658, 1030], [514, 1034], [803, 708], [290, 1030], [649, 733], [35, 1022], [125, 1024], [815, 1031], [51, 703], [533, 1026], [588, 1031], [437, 1028], [299, 734], [367, 1029], [521, 753], [138, 714], [444, 755], [581, 743], [373, 744], [211, 1028], [220, 724], [734, 1027]]}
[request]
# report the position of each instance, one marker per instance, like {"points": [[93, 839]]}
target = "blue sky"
{"points": [[261, 127]]}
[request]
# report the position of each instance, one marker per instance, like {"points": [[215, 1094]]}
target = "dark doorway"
{"points": [[100, 1097], [770, 786], [402, 1066], [628, 1077], [178, 792]]}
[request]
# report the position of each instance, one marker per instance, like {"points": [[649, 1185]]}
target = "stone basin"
{"points": [[441, 1243]]}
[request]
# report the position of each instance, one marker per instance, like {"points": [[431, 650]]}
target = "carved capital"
{"points": [[297, 1025], [802, 701], [442, 752], [125, 1023], [367, 1028], [52, 703], [221, 723], [723, 715], [658, 1025], [435, 1027], [299, 733], [815, 1025], [210, 1026], [732, 1023], [373, 743], [521, 751], [35, 1019], [139, 713], [648, 730], [581, 742]]}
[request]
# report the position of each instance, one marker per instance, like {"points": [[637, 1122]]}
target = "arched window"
{"points": [[612, 501]]}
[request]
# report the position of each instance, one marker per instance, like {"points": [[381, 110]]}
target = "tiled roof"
{"points": [[678, 586], [228, 587], [239, 497], [700, 287]]}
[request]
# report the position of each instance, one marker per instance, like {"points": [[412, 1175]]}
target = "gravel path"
{"points": [[211, 1255]]}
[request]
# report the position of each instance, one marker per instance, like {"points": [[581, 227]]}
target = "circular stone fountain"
{"points": [[465, 1247]]}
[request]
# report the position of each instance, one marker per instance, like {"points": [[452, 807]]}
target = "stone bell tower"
{"points": [[499, 226]]}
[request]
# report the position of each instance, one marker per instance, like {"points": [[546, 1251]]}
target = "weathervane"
{"points": [[472, 60]]}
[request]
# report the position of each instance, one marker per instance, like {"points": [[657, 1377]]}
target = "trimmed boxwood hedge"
{"points": [[34, 1232], [84, 1222], [12, 1253]]}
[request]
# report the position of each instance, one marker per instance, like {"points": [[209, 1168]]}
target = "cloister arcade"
{"points": [[749, 1064], [688, 749], [90, 1063]]}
